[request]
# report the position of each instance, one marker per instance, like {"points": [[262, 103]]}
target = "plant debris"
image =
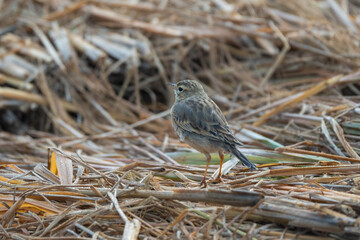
{"points": [[87, 149]]}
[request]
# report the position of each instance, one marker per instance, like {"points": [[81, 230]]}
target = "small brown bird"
{"points": [[199, 122]]}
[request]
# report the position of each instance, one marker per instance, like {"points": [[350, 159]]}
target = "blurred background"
{"points": [[91, 66]]}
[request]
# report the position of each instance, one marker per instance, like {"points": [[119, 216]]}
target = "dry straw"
{"points": [[87, 149]]}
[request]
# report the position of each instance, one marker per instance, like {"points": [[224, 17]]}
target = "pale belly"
{"points": [[200, 143]]}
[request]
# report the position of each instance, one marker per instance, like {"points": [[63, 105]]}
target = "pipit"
{"points": [[199, 122]]}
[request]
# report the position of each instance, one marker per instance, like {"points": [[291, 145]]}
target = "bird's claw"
{"points": [[203, 183], [218, 179]]}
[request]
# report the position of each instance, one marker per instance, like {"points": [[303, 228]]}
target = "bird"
{"points": [[199, 122]]}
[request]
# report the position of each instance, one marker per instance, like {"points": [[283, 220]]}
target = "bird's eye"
{"points": [[180, 89]]}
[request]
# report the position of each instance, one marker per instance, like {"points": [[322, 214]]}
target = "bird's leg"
{"points": [[221, 155], [208, 158]]}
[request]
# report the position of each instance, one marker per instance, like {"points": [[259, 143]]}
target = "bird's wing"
{"points": [[203, 116]]}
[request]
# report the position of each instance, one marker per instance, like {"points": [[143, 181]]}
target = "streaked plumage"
{"points": [[199, 122]]}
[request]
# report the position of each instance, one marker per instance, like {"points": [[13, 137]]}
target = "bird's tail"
{"points": [[243, 159]]}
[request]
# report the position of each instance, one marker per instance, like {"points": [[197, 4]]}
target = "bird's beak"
{"points": [[172, 84]]}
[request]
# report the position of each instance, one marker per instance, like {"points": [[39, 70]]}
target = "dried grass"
{"points": [[87, 150]]}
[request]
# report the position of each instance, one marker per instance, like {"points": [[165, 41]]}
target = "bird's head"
{"points": [[187, 88]]}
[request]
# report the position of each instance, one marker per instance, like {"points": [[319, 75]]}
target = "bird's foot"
{"points": [[218, 179], [203, 183]]}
